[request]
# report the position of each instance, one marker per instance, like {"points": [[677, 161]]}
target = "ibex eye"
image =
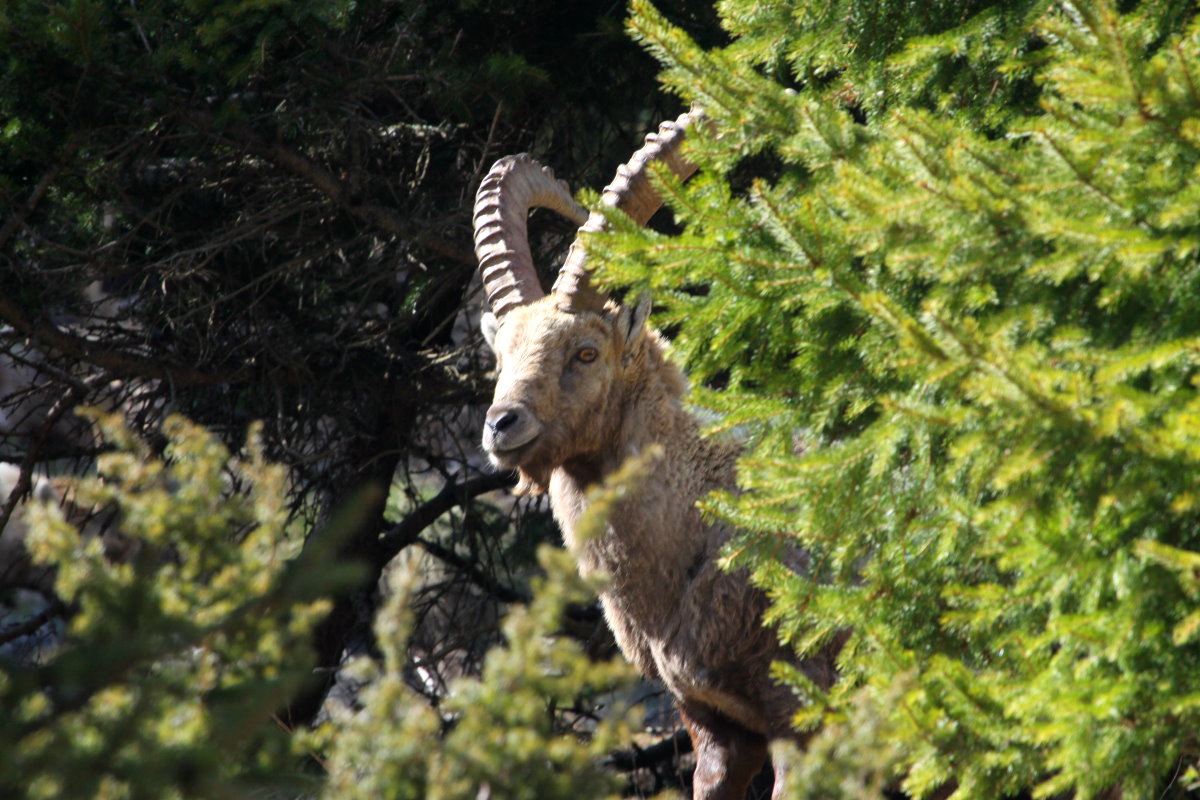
{"points": [[588, 354]]}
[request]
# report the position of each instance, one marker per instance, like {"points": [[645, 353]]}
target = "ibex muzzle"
{"points": [[510, 433]]}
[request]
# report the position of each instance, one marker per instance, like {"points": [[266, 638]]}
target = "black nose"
{"points": [[505, 419]]}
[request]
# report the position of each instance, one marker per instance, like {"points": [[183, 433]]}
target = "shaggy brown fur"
{"points": [[579, 393]]}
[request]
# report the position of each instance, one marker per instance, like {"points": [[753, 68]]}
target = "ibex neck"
{"points": [[657, 521]]}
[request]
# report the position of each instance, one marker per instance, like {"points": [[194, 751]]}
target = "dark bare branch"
{"points": [[336, 190], [407, 531], [33, 624], [481, 578], [118, 362]]}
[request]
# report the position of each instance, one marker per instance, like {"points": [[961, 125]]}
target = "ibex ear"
{"points": [[631, 321], [489, 325]]}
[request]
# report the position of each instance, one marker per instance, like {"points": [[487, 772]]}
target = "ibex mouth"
{"points": [[510, 456]]}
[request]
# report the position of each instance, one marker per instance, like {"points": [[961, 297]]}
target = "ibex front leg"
{"points": [[728, 756]]}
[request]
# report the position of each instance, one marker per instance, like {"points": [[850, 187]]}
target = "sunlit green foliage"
{"points": [[949, 292], [193, 630], [522, 729], [182, 646], [506, 734]]}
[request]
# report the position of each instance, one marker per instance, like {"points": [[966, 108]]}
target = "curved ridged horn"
{"points": [[513, 186], [632, 192]]}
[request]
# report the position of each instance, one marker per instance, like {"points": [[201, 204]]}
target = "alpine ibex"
{"points": [[583, 384]]}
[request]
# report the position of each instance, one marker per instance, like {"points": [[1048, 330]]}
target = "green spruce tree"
{"points": [[941, 270]]}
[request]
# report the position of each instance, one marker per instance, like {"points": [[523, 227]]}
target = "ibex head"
{"points": [[563, 359]]}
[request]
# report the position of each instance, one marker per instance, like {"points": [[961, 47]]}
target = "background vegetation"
{"points": [[939, 270]]}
